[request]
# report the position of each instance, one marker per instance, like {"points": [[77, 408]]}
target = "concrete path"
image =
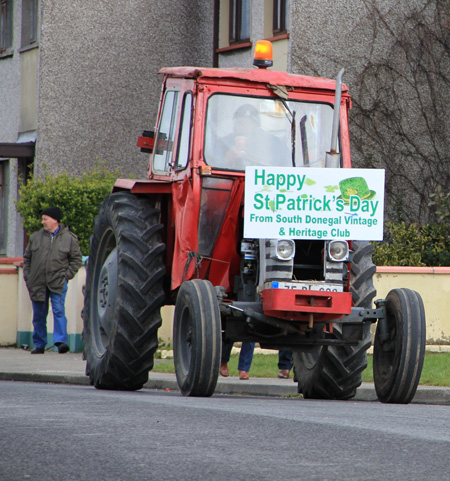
{"points": [[19, 365]]}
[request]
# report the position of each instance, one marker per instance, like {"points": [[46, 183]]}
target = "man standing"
{"points": [[52, 258]]}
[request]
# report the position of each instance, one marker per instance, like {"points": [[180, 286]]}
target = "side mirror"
{"points": [[147, 141]]}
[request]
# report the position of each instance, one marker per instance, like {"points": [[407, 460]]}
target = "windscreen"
{"points": [[243, 131]]}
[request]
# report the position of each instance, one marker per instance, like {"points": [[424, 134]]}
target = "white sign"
{"points": [[304, 203]]}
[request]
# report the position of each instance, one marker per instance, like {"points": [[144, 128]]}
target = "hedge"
{"points": [[414, 245], [80, 197], [77, 197], [418, 245]]}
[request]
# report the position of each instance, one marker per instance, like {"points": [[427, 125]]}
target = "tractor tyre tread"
{"points": [[128, 356], [338, 369]]}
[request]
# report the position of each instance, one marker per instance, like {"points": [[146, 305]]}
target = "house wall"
{"points": [[10, 109], [10, 86], [261, 28], [29, 66], [326, 38], [370, 39], [91, 87], [99, 88]]}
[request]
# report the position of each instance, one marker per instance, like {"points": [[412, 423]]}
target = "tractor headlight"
{"points": [[283, 250], [338, 251]]}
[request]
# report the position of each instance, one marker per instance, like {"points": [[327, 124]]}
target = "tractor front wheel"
{"points": [[197, 338], [399, 347]]}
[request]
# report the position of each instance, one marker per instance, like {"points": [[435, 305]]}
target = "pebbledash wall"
{"points": [[433, 283]]}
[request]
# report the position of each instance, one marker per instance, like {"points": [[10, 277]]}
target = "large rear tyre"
{"points": [[398, 356], [334, 372], [197, 338], [123, 293]]}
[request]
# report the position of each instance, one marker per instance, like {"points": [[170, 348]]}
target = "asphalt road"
{"points": [[77, 433]]}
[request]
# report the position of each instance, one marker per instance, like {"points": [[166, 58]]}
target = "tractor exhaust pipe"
{"points": [[333, 158]]}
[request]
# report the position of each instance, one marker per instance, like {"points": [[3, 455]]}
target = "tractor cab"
{"points": [[226, 119]]}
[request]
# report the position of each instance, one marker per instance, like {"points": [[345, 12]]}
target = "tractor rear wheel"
{"points": [[398, 358], [123, 293], [197, 338], [334, 372]]}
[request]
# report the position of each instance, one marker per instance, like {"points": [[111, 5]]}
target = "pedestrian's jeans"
{"points": [[40, 312], [245, 357], [285, 359]]}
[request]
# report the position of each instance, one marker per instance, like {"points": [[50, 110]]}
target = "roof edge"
{"points": [[272, 77]]}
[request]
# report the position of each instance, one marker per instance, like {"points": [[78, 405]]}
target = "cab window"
{"points": [[185, 133], [162, 157]]}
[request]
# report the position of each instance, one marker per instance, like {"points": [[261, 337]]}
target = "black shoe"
{"points": [[62, 347], [38, 350]]}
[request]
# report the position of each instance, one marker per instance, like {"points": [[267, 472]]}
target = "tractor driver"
{"points": [[249, 144]]}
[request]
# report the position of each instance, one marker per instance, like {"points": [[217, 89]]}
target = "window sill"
{"points": [[28, 47], [7, 54], [236, 46], [281, 36]]}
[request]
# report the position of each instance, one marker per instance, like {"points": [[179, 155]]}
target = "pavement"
{"points": [[69, 368]]}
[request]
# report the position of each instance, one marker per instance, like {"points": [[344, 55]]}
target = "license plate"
{"points": [[306, 286]]}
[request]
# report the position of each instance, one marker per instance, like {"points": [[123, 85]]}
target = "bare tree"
{"points": [[401, 114], [396, 54]]}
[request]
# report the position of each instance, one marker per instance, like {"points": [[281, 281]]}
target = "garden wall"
{"points": [[16, 313]]}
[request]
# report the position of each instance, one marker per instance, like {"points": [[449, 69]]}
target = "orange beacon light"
{"points": [[263, 57]]}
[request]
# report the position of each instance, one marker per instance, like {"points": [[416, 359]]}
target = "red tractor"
{"points": [[178, 238]]}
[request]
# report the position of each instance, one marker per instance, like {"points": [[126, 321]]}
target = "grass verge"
{"points": [[436, 368], [435, 372]]}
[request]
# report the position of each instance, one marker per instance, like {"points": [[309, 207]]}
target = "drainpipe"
{"points": [[216, 33]]}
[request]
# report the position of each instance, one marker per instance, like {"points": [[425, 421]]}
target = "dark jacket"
{"points": [[49, 263]]}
